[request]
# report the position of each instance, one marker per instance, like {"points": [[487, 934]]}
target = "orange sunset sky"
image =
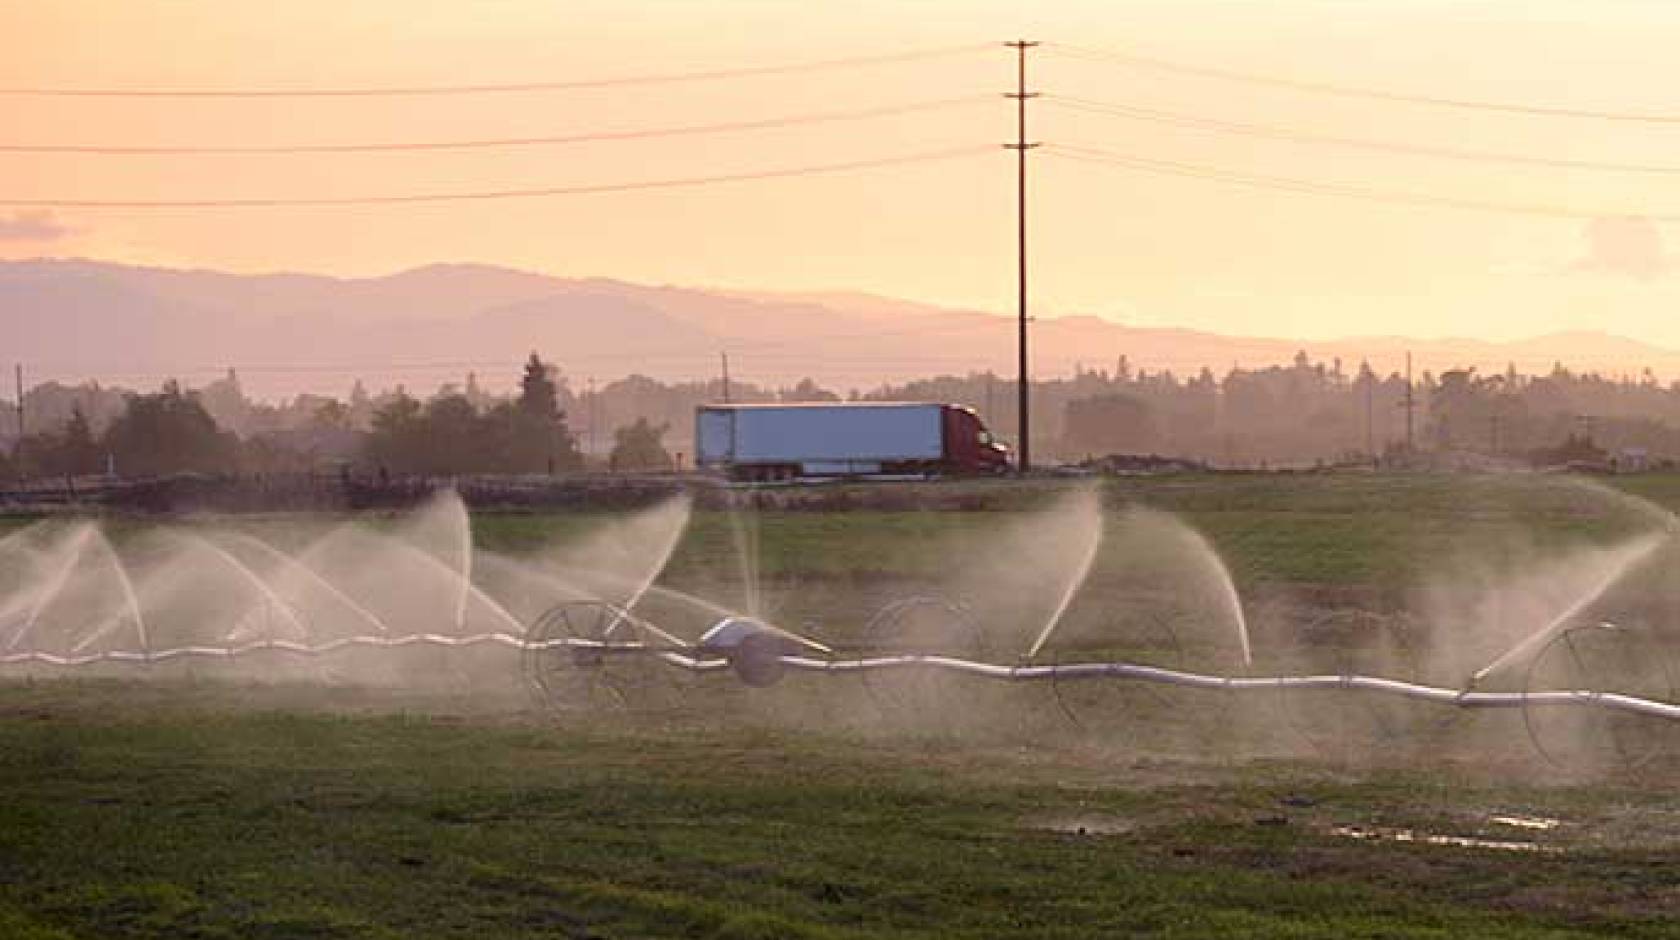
{"points": [[1134, 246]]}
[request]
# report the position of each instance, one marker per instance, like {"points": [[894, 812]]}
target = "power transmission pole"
{"points": [[1410, 405], [592, 416], [1021, 146], [19, 373], [1370, 396], [725, 357]]}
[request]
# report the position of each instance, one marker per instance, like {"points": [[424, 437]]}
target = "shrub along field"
{"points": [[198, 807]]}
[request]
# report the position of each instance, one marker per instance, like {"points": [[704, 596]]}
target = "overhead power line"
{"points": [[772, 350], [492, 194], [1320, 188], [1136, 60], [500, 88], [1291, 135], [821, 117]]}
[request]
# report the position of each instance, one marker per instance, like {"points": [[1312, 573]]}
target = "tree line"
{"points": [[1306, 412], [1295, 413], [174, 431], [165, 432]]}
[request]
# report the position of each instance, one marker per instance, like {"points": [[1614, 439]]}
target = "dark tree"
{"points": [[539, 394], [331, 413], [168, 432], [1110, 424], [449, 435], [455, 440], [79, 453], [640, 446], [72, 451], [532, 435], [398, 434]]}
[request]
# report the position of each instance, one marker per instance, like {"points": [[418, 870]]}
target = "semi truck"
{"points": [[786, 441]]}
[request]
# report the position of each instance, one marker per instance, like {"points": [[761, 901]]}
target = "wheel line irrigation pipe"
{"points": [[696, 660]]}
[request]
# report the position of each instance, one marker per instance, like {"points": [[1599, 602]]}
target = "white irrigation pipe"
{"points": [[699, 661]]}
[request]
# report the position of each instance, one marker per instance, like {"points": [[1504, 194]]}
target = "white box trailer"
{"points": [[768, 442]]}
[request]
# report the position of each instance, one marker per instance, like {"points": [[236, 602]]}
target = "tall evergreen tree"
{"points": [[539, 394], [536, 438]]}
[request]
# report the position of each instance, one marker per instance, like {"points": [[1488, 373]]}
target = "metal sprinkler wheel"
{"points": [[1352, 726], [919, 626], [1093, 704], [1584, 661], [589, 654]]}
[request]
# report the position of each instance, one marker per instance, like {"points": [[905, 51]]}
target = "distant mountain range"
{"points": [[287, 333]]}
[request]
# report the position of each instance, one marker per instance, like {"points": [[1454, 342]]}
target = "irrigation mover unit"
{"points": [[581, 654], [586, 635]]}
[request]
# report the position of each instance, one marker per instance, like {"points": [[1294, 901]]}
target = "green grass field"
{"points": [[203, 807], [1315, 529], [203, 811]]}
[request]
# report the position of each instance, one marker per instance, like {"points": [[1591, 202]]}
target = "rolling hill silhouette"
{"points": [[289, 333]]}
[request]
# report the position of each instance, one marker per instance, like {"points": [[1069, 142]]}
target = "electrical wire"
{"points": [[759, 350], [1274, 132], [773, 350], [790, 363], [498, 194], [821, 117], [1312, 187], [1152, 63], [499, 88]]}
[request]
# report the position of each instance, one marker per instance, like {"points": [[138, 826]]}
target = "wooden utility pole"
{"points": [[1410, 405], [725, 357], [591, 416], [1370, 377], [1021, 146]]}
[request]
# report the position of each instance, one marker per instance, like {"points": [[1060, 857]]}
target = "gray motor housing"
{"points": [[754, 650]]}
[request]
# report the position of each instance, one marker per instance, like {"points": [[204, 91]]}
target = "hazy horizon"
{"points": [[289, 333], [820, 293]]}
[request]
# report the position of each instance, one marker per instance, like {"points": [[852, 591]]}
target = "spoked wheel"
{"points": [[1603, 657], [920, 626], [1104, 702], [589, 655], [1343, 725]]}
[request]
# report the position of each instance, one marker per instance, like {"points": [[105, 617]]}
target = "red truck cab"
{"points": [[969, 446]]}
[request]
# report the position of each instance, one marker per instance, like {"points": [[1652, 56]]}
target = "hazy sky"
{"points": [[1134, 246]]}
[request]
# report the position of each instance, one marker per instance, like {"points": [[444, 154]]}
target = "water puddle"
{"points": [[1541, 823], [1385, 834]]}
